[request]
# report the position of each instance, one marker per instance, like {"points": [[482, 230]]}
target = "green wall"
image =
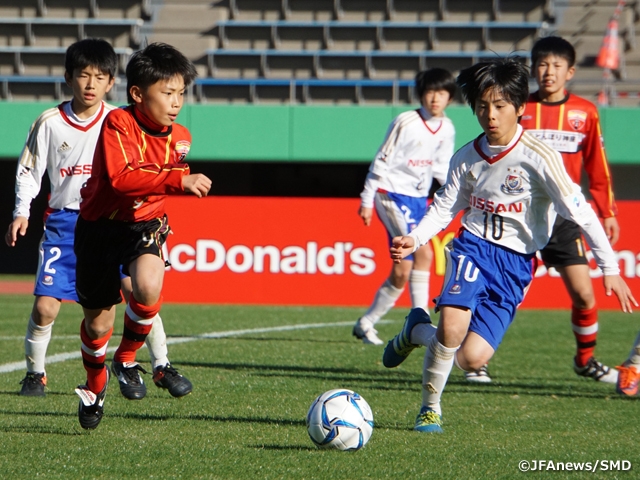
{"points": [[308, 133]]}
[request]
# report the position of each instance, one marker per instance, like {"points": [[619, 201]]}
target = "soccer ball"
{"points": [[340, 419]]}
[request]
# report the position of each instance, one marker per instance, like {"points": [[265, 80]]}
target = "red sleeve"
{"points": [[137, 168], [597, 167]]}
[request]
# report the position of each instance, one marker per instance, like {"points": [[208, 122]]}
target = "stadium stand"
{"points": [[317, 43], [303, 51], [34, 35]]}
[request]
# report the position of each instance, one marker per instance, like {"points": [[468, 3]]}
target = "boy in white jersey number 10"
{"points": [[509, 185], [416, 149]]}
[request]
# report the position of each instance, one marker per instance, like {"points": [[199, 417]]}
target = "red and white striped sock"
{"points": [[585, 328], [138, 321], [94, 353]]}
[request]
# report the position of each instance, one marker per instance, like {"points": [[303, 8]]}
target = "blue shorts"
{"points": [[489, 280], [56, 276], [399, 214]]}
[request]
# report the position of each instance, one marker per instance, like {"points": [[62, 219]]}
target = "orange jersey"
{"points": [[134, 168], [572, 127]]}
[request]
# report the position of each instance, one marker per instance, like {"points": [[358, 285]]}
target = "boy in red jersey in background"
{"points": [[569, 124], [138, 161]]}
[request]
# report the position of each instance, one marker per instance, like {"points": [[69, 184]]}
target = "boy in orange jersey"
{"points": [[138, 161], [569, 124]]}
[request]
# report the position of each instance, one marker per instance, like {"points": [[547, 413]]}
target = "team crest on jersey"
{"points": [[512, 183], [455, 289], [182, 149], [577, 119]]}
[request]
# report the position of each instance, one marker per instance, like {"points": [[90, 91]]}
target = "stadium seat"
{"points": [[429, 31], [412, 10], [53, 86], [366, 58], [300, 88], [47, 56], [76, 8], [34, 29], [45, 87]]}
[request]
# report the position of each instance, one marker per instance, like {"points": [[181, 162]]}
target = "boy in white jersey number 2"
{"points": [[61, 142], [510, 186], [416, 149]]}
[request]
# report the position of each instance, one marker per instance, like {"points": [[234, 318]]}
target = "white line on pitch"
{"points": [[62, 357]]}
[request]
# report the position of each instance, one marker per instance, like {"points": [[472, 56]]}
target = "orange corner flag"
{"points": [[609, 55]]}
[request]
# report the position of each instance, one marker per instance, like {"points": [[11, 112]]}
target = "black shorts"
{"points": [[566, 246], [103, 246]]}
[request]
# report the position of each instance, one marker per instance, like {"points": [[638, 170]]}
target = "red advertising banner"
{"points": [[316, 251]]}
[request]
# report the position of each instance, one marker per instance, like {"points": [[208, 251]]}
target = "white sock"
{"points": [[422, 333], [157, 344], [634, 355], [438, 362], [384, 300], [36, 342], [419, 288]]}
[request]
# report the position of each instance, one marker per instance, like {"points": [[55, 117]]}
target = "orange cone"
{"points": [[609, 56], [603, 98]]}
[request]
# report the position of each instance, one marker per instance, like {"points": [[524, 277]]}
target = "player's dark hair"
{"points": [[508, 76], [91, 52], [156, 62], [556, 46], [435, 79]]}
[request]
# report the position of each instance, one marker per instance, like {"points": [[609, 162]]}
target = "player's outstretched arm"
{"points": [[615, 284], [17, 227], [401, 247], [366, 213], [196, 183]]}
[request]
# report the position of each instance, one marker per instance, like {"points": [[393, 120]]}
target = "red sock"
{"points": [[94, 353], [138, 320], [585, 328]]}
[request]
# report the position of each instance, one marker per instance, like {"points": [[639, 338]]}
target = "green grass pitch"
{"points": [[252, 388]]}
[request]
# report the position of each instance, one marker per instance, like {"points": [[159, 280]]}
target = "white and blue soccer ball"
{"points": [[340, 419]]}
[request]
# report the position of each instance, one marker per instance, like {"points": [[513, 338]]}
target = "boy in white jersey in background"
{"points": [[61, 142], [416, 149], [510, 186]]}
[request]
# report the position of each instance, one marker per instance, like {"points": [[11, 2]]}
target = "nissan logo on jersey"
{"points": [[76, 170]]}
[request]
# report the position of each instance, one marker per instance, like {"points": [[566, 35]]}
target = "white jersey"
{"points": [[511, 198], [61, 144], [416, 149]]}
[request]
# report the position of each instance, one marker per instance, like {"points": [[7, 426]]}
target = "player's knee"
{"points": [[477, 362], [98, 327], [147, 298], [147, 292], [469, 360], [400, 278], [474, 353], [584, 299], [45, 310]]}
